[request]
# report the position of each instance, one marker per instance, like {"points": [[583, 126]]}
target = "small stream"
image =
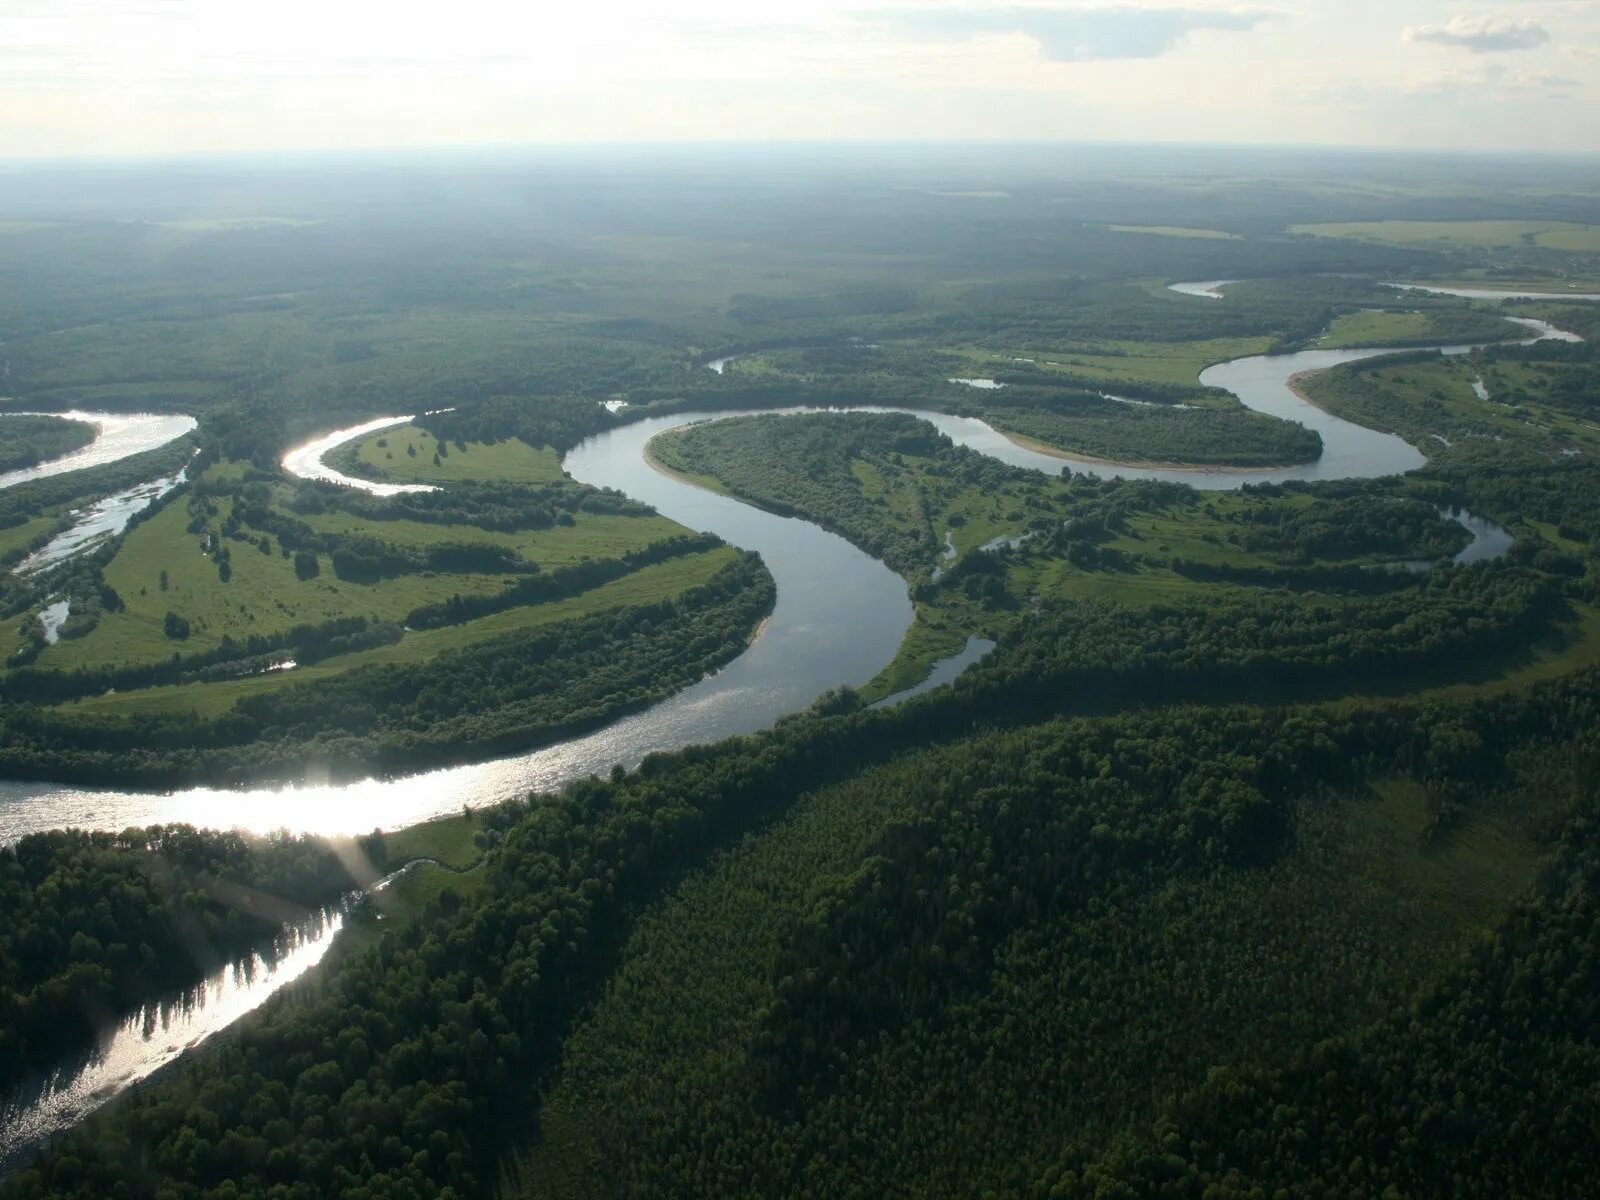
{"points": [[157, 1035], [99, 522]]}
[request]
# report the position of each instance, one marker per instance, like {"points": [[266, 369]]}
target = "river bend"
{"points": [[839, 619]]}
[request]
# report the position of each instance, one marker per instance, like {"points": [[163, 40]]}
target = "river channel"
{"points": [[839, 619]]}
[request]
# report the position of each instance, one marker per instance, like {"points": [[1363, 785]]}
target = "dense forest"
{"points": [[1081, 826], [28, 441], [96, 922]]}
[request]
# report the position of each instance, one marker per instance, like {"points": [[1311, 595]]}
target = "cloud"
{"points": [[1076, 34], [1481, 35]]}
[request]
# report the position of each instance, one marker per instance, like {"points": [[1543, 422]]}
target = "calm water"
{"points": [[306, 461], [1209, 289], [839, 619], [96, 523], [944, 671], [117, 435], [1492, 293], [155, 1036]]}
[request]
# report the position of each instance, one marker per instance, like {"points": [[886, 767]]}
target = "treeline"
{"points": [[444, 1065], [490, 504], [28, 441], [309, 643], [559, 421], [1146, 433], [541, 588], [97, 923], [492, 697], [1349, 527], [1271, 646], [802, 466]]}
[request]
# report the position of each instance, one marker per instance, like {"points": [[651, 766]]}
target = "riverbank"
{"points": [[1038, 447]]}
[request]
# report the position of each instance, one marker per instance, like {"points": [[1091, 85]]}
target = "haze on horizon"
{"points": [[115, 77]]}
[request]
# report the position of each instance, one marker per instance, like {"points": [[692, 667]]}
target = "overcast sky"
{"points": [[158, 76]]}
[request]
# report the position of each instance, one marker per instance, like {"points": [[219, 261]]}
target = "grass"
{"points": [[21, 536], [649, 584], [403, 902], [1377, 327], [448, 839], [1147, 362], [1460, 879], [591, 535], [1177, 231], [1486, 235], [263, 595], [385, 455], [1422, 400], [937, 631], [1528, 280]]}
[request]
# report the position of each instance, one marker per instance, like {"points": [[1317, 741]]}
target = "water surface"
{"points": [[1492, 293], [839, 619], [1209, 289], [117, 436], [98, 522], [156, 1035]]}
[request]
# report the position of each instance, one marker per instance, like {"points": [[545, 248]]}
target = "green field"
{"points": [[1374, 327], [448, 839], [20, 536], [1177, 231], [660, 581], [1143, 362], [406, 455], [262, 596], [1487, 235], [591, 535]]}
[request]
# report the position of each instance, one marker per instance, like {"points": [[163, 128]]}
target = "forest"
{"points": [[96, 922], [28, 441], [1254, 859]]}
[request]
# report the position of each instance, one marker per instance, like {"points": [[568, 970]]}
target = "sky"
{"points": [[97, 77]]}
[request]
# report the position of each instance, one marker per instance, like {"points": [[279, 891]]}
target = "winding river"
{"points": [[839, 618], [117, 436]]}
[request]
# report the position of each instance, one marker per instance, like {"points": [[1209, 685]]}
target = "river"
{"points": [[839, 618], [117, 436], [1492, 293]]}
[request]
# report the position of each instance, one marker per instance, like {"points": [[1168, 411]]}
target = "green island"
{"points": [[1256, 858], [27, 441]]}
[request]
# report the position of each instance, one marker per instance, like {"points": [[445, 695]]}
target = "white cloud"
{"points": [[1481, 35], [1076, 34]]}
